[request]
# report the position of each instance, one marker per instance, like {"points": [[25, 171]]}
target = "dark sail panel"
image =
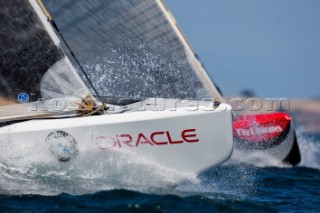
{"points": [[33, 67], [26, 52], [131, 48]]}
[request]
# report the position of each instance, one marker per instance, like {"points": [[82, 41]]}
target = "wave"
{"points": [[90, 173], [310, 149]]}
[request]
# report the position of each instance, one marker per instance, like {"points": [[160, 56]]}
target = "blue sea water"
{"points": [[232, 187]]}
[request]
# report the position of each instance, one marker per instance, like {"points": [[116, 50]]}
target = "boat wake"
{"points": [[229, 181], [310, 149], [90, 173], [93, 172], [258, 159]]}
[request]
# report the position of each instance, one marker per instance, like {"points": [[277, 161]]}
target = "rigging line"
{"points": [[76, 59], [53, 23]]}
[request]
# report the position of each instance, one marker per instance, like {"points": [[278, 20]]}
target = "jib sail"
{"points": [[132, 48], [36, 78]]}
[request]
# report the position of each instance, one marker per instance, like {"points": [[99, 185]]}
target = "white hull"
{"points": [[181, 140]]}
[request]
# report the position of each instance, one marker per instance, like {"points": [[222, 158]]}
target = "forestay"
{"points": [[36, 78], [132, 48]]}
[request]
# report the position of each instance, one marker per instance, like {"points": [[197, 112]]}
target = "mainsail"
{"points": [[32, 65], [132, 48]]}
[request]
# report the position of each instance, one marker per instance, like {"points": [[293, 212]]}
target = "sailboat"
{"points": [[137, 50], [266, 139], [49, 114]]}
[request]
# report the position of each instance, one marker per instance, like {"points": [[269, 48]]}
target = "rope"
{"points": [[53, 23], [101, 108]]}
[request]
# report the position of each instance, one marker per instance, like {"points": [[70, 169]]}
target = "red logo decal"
{"points": [[154, 139]]}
